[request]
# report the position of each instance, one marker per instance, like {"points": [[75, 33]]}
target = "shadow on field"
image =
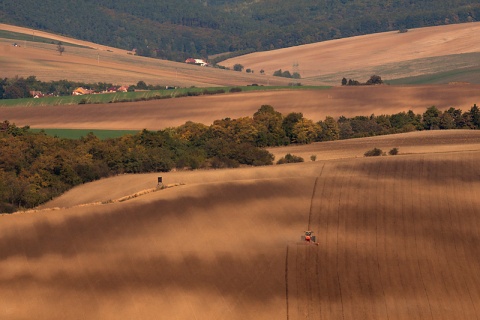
{"points": [[103, 224]]}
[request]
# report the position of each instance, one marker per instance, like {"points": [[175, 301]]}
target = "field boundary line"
{"points": [[422, 170], [106, 202]]}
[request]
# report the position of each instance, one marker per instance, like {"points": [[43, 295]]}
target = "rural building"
{"points": [[199, 62], [81, 91], [37, 94]]}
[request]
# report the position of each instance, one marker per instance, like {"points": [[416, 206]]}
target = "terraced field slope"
{"points": [[398, 239]]}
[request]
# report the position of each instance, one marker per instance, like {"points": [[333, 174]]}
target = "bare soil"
{"points": [[314, 104], [398, 239]]}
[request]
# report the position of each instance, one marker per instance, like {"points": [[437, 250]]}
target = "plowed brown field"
{"points": [[314, 104], [398, 239]]}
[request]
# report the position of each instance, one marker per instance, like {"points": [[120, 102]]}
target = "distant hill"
{"points": [[440, 54], [177, 29]]}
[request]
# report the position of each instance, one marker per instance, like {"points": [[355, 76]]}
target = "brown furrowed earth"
{"points": [[314, 104], [398, 239]]}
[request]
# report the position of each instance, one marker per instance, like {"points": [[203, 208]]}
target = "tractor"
{"points": [[308, 238]]}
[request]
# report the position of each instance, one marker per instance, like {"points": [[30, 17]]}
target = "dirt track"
{"points": [[398, 239], [314, 104]]}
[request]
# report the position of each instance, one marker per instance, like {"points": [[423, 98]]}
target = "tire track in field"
{"points": [[286, 281], [306, 263], [421, 167]]}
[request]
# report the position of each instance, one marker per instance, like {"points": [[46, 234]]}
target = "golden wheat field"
{"points": [[398, 236], [398, 239]]}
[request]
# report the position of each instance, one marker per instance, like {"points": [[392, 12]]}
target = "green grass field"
{"points": [[21, 37], [137, 96], [470, 75], [78, 133]]}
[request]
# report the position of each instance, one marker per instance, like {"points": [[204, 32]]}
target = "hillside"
{"points": [[395, 241], [203, 28], [97, 63], [391, 55], [441, 54]]}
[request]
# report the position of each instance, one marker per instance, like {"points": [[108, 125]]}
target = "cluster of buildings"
{"points": [[80, 91]]}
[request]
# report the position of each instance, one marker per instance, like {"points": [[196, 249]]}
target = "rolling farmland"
{"points": [[398, 235], [398, 239], [314, 104]]}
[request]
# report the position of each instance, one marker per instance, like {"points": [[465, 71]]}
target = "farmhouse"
{"points": [[36, 94], [81, 91], [199, 62]]}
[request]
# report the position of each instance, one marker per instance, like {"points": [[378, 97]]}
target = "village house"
{"points": [[199, 62], [37, 94], [122, 89], [81, 91]]}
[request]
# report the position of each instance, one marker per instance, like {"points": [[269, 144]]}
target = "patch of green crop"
{"points": [[470, 75], [22, 37], [140, 95], [78, 133]]}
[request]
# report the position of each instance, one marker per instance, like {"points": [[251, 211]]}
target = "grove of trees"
{"points": [[35, 167], [374, 79]]}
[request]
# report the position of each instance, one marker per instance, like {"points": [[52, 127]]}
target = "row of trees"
{"points": [[374, 79], [19, 87], [286, 74], [35, 167]]}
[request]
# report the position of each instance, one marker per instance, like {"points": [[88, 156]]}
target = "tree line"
{"points": [[35, 167], [19, 87], [181, 29]]}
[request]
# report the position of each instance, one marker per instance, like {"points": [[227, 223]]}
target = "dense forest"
{"points": [[178, 29], [35, 167]]}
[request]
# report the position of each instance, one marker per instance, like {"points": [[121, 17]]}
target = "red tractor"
{"points": [[309, 239]]}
